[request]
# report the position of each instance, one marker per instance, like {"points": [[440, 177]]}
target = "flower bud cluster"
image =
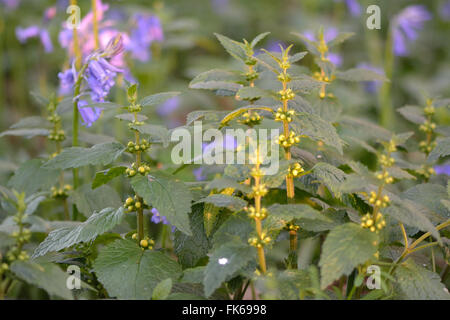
{"points": [[384, 176], [374, 225], [143, 169], [134, 204], [381, 202], [295, 170], [61, 193], [253, 214], [280, 115], [141, 147], [289, 141], [261, 241]]}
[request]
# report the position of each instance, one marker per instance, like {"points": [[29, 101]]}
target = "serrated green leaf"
{"points": [[258, 38], [32, 177], [103, 105], [345, 247], [410, 213], [225, 261], [130, 117], [341, 37], [234, 48], [224, 182], [27, 133], [311, 45], [103, 177], [426, 194], [128, 272], [305, 84], [398, 173], [225, 201], [418, 283], [236, 228], [217, 79], [442, 149], [251, 93], [330, 176], [88, 201], [157, 99], [190, 249], [360, 75], [76, 157], [297, 56], [317, 129], [98, 223], [46, 276], [168, 195], [158, 134], [31, 122], [236, 113], [413, 114], [162, 290]]}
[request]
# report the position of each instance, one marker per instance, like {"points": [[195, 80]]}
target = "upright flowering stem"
{"points": [[95, 24], [258, 213], [387, 113], [76, 44], [137, 146]]}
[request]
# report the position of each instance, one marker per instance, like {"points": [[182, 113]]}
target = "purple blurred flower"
{"points": [[371, 86], [100, 76], [406, 26], [353, 7], [11, 4], [329, 35], [157, 218], [23, 34], [89, 115], [443, 169], [66, 81], [169, 106], [445, 10], [229, 143], [148, 29], [274, 46], [220, 5], [199, 174]]}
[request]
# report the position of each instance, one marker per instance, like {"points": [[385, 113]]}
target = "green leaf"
{"points": [[418, 283], [158, 134], [171, 197], [103, 105], [365, 129], [225, 261], [288, 212], [341, 37], [410, 213], [225, 201], [297, 56], [413, 114], [31, 122], [442, 149], [88, 201], [224, 182], [236, 113], [103, 177], [360, 74], [217, 79], [345, 247], [305, 84], [46, 276], [234, 48], [27, 133], [251, 93], [98, 223], [426, 194], [130, 117], [238, 227], [258, 38], [190, 249], [76, 157], [32, 177], [128, 272], [311, 45], [162, 290], [317, 129], [398, 173], [277, 179], [157, 99], [330, 176], [40, 99]]}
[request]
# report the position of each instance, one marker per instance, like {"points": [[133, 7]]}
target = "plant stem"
{"points": [[258, 223], [76, 45], [386, 110], [95, 24]]}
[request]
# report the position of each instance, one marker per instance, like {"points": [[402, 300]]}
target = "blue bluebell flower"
{"points": [[11, 4], [88, 115], [371, 86], [66, 81], [169, 106], [23, 34], [353, 7], [406, 26], [199, 174], [445, 10], [100, 76], [443, 169], [157, 219], [148, 29]]}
